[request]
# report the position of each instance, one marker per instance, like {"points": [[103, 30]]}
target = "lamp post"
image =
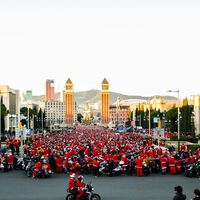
{"points": [[177, 91], [133, 117], [11, 124], [28, 116], [117, 109], [149, 117]]}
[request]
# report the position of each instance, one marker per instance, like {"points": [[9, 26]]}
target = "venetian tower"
{"points": [[69, 103], [105, 102]]}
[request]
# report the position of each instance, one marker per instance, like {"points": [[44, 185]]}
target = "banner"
{"points": [[158, 132]]}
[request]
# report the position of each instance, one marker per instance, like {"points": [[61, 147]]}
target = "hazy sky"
{"points": [[143, 47]]}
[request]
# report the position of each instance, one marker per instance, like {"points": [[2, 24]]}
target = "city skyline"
{"points": [[141, 47]]}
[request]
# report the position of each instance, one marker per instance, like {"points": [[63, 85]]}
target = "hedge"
{"points": [[183, 138], [193, 147]]}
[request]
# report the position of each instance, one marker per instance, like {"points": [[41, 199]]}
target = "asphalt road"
{"points": [[17, 186]]}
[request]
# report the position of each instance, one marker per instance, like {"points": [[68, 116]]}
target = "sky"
{"points": [[142, 47]]}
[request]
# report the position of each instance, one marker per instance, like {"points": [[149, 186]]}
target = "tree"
{"points": [[171, 118], [79, 117], [4, 112], [32, 114], [186, 117]]}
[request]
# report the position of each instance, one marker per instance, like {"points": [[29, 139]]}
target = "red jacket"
{"points": [[38, 165], [95, 163], [71, 184], [59, 161], [138, 162], [10, 159], [163, 162], [80, 184], [172, 161]]}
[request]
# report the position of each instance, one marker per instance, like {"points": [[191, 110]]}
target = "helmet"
{"points": [[80, 177], [72, 175]]}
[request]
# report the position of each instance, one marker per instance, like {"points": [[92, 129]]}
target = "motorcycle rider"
{"points": [[38, 166], [95, 165], [80, 185], [72, 182], [46, 166]]}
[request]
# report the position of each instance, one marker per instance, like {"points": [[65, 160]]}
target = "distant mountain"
{"points": [[92, 96]]}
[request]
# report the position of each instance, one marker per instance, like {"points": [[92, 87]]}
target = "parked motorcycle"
{"points": [[145, 169], [193, 170]]}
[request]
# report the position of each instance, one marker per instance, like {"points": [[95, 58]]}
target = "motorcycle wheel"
{"points": [[70, 197], [188, 173], [95, 197], [146, 171]]}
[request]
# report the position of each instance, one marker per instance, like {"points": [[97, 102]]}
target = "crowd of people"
{"points": [[96, 150], [86, 149]]}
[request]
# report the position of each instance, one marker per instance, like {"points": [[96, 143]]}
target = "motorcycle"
{"points": [[193, 170], [88, 194], [18, 163], [145, 169], [155, 166], [131, 167]]}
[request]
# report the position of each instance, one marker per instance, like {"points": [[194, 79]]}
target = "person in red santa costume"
{"points": [[138, 165], [163, 163], [38, 166], [72, 182], [171, 162], [81, 185]]}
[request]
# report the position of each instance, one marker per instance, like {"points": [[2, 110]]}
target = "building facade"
{"points": [[11, 99], [49, 90], [54, 113], [119, 115], [69, 103], [27, 96], [105, 103]]}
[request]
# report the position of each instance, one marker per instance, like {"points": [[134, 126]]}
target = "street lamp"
{"points": [[177, 91], [149, 117], [11, 124], [133, 117], [28, 114], [118, 109]]}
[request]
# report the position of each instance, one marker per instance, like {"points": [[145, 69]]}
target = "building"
{"points": [[119, 114], [69, 103], [105, 103], [27, 96], [49, 90], [11, 99], [54, 113]]}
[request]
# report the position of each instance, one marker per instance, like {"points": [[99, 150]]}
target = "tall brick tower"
{"points": [[69, 103], [105, 102], [49, 90]]}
